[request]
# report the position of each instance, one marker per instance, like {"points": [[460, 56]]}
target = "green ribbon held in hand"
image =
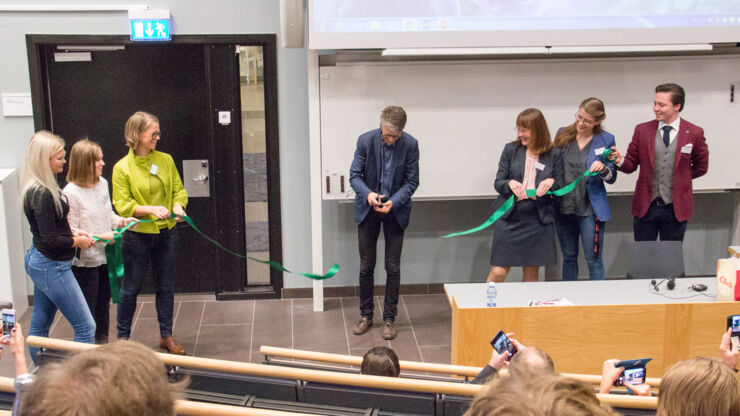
{"points": [[114, 256], [530, 192]]}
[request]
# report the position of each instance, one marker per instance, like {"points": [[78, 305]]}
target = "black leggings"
{"points": [[96, 288]]}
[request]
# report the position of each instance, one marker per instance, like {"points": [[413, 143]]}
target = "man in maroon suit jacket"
{"points": [[671, 152]]}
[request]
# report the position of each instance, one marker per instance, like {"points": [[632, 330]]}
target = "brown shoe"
{"points": [[171, 345], [389, 332], [362, 326]]}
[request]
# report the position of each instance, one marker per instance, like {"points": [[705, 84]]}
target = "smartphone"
{"points": [[733, 321], [634, 371], [8, 317], [501, 343]]}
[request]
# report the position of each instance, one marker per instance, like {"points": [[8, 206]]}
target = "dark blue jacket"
{"points": [[364, 174], [594, 184], [511, 166]]}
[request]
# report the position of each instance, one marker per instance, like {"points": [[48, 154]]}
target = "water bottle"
{"points": [[491, 294]]}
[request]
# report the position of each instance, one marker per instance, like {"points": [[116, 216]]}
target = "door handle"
{"points": [[196, 177]]}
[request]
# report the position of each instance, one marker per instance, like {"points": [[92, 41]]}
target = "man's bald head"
{"points": [[531, 360]]}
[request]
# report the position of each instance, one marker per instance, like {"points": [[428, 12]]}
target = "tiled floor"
{"points": [[235, 330]]}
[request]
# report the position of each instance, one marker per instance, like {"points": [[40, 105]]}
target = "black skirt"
{"points": [[522, 240]]}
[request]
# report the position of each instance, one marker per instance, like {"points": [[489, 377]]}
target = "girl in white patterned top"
{"points": [[90, 210]]}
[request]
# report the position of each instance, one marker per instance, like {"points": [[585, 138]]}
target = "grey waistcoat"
{"points": [[665, 158]]}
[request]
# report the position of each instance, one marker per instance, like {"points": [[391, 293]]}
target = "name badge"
{"points": [[687, 148], [153, 169], [539, 166], [599, 151]]}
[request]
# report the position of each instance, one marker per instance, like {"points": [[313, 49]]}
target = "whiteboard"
{"points": [[463, 113]]}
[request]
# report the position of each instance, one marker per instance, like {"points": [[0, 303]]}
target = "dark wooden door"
{"points": [[95, 98]]}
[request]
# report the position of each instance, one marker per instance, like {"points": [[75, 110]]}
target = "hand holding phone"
{"points": [[609, 374], [733, 322], [638, 389], [728, 348], [634, 372], [501, 343], [380, 201]]}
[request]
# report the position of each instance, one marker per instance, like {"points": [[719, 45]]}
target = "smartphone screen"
{"points": [[733, 321], [634, 375], [8, 316], [501, 343]]}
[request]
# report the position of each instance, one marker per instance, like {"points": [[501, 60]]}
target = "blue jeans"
{"points": [[139, 250], [55, 287], [570, 227]]}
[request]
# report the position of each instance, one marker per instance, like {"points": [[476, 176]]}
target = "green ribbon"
{"points": [[275, 265], [114, 256], [115, 268], [530, 192]]}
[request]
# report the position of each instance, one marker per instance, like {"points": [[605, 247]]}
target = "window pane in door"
{"points": [[251, 73]]}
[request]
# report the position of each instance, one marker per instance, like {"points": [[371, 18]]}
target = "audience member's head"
{"points": [[530, 361], [123, 378], [557, 395], [380, 361], [527, 360], [538, 395], [699, 387], [503, 397]]}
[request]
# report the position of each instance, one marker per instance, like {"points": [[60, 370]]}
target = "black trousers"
{"points": [[660, 219], [140, 251], [96, 288], [367, 235]]}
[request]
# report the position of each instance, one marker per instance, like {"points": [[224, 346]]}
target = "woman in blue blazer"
{"points": [[583, 211]]}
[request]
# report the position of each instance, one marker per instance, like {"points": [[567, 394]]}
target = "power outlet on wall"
{"points": [[335, 183]]}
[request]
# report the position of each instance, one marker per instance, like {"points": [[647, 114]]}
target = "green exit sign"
{"points": [[150, 30], [150, 25]]}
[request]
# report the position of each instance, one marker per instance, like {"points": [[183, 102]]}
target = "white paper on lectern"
{"points": [[551, 302]]}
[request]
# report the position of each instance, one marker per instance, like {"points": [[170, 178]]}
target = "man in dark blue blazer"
{"points": [[384, 174]]}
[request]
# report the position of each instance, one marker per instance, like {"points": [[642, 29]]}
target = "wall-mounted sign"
{"points": [[150, 30], [150, 25], [15, 105]]}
